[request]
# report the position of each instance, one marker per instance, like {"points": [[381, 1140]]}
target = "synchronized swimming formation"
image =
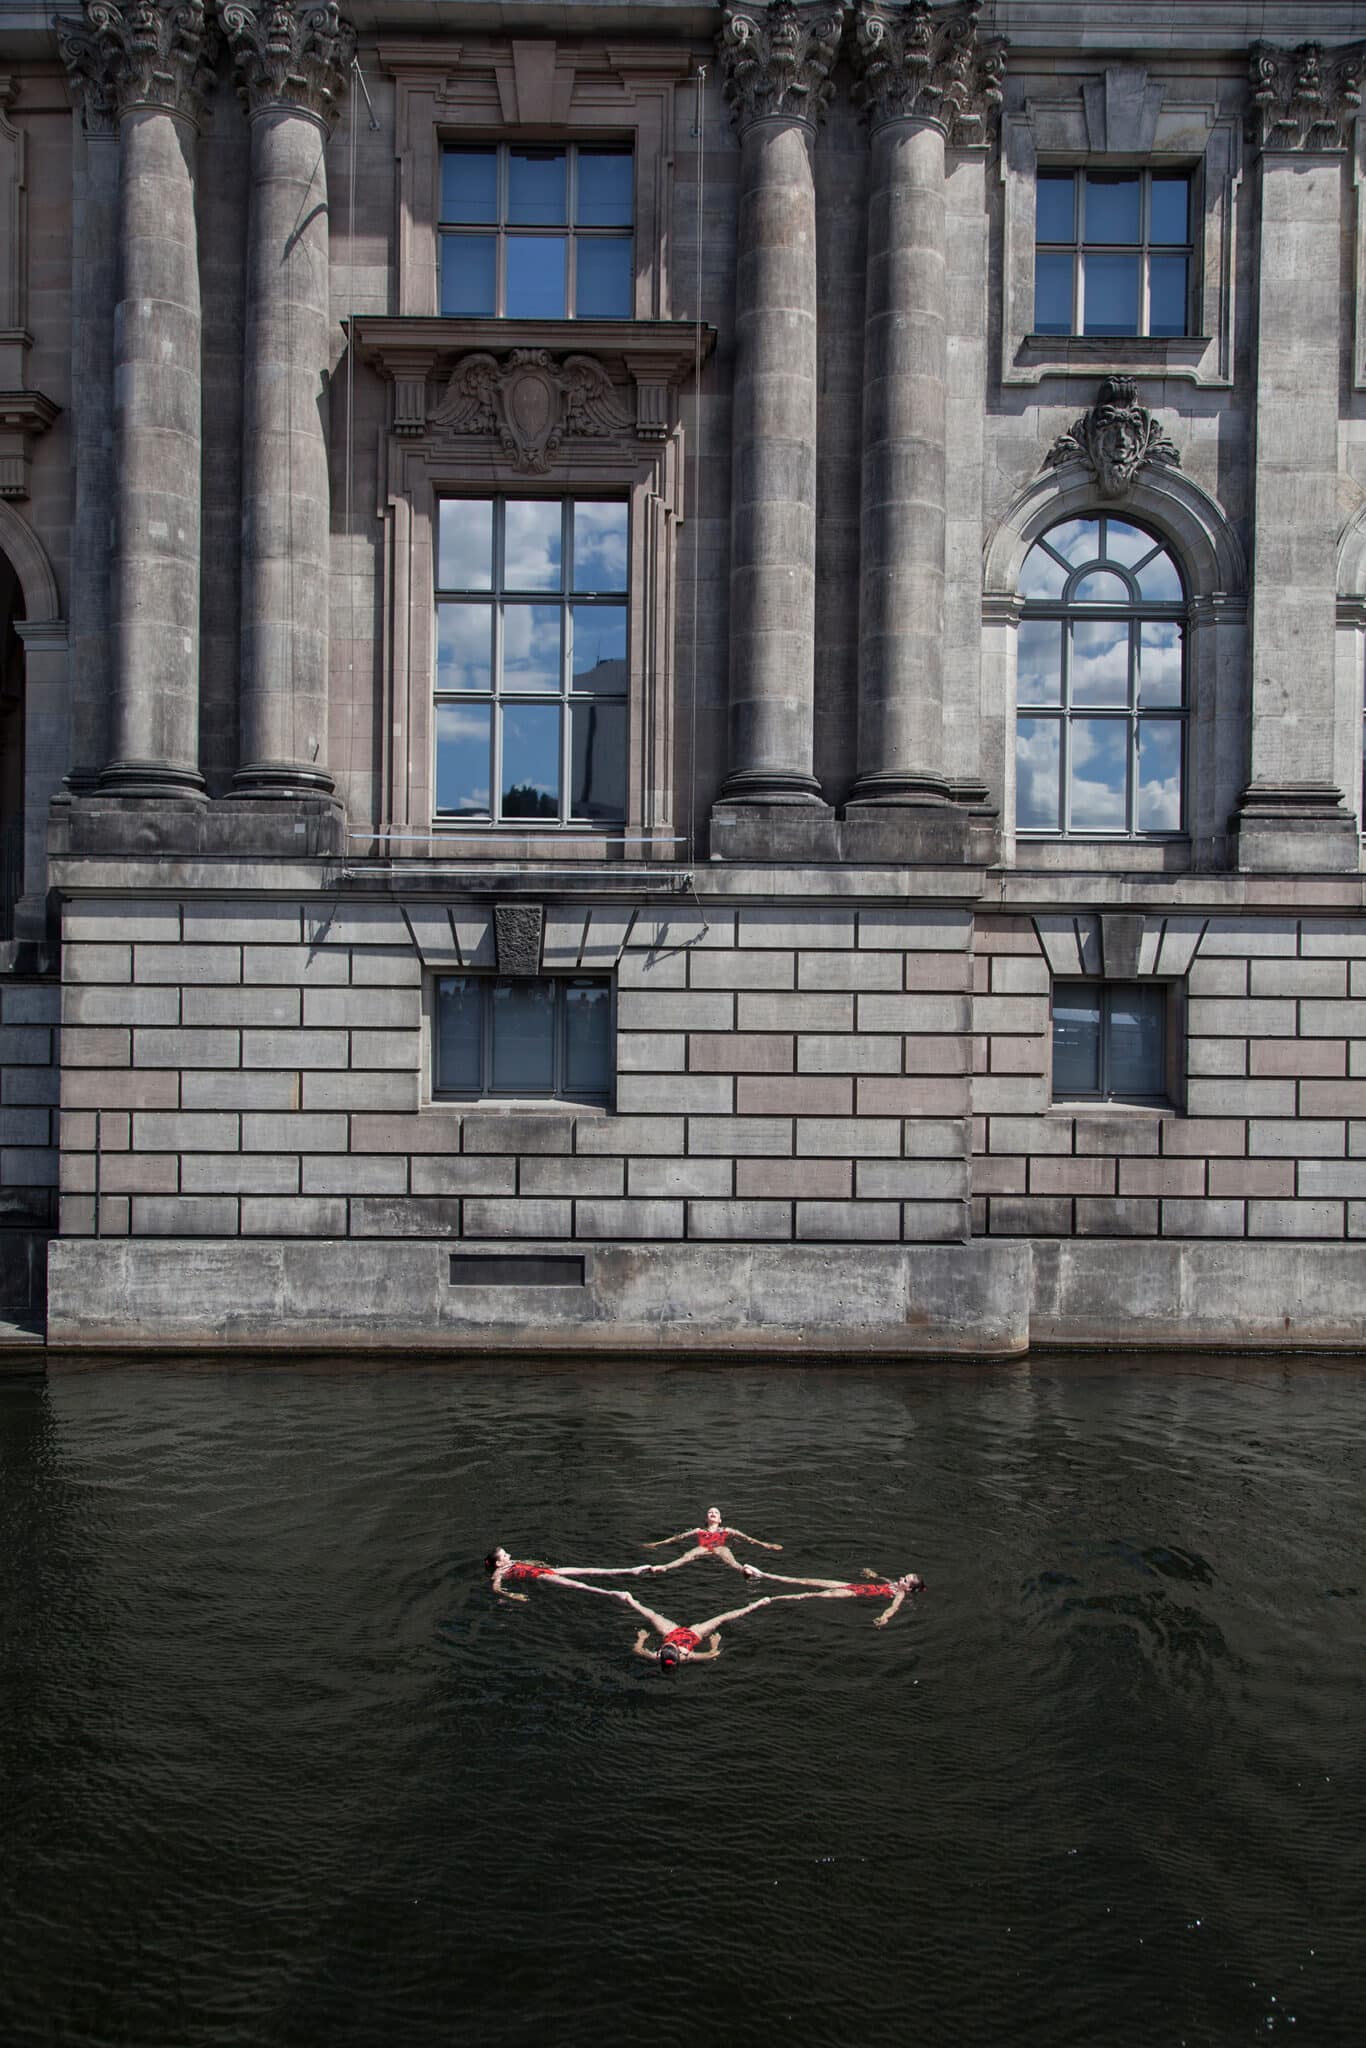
{"points": [[678, 1642]]}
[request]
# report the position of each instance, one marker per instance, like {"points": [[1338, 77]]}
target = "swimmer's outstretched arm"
{"points": [[642, 1648], [882, 1619], [757, 1541], [663, 1542], [706, 1656]]}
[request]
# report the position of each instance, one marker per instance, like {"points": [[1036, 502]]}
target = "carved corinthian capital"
{"points": [[778, 60], [1306, 99], [928, 63], [146, 53], [291, 57]]}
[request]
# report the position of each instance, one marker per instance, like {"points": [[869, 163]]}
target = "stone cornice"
{"points": [[1306, 99], [147, 53], [290, 57], [928, 63], [777, 60]]}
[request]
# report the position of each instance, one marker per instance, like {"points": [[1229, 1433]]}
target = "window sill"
{"points": [[1087, 1107], [1090, 355]]}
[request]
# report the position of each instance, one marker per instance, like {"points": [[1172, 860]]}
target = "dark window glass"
{"points": [[537, 187], [469, 275], [1114, 207], [1167, 294], [1111, 293], [1113, 253], [1055, 206], [1170, 220], [603, 272], [469, 185], [604, 189], [558, 243], [550, 1036], [535, 277], [1053, 292], [1109, 1041]]}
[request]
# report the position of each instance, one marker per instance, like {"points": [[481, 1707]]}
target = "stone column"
{"points": [[157, 59], [775, 65], [1293, 814], [922, 79], [291, 69]]}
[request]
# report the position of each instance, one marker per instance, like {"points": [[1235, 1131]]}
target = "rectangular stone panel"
{"points": [[200, 965], [848, 1222], [187, 1048], [760, 1222], [628, 1220], [679, 1177], [748, 970]]}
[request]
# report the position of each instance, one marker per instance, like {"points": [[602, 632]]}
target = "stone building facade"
{"points": [[683, 676]]}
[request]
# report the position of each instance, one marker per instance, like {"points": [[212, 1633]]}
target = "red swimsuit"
{"points": [[711, 1539], [871, 1589], [527, 1571], [681, 1639]]}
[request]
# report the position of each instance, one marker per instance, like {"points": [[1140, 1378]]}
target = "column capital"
{"points": [[930, 64], [296, 57], [1305, 100], [147, 53], [777, 60]]}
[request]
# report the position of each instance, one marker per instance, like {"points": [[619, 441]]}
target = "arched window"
{"points": [[1101, 698]]}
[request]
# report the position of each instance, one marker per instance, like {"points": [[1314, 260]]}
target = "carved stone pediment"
{"points": [[533, 402], [1307, 98], [1114, 438], [777, 60], [928, 63]]}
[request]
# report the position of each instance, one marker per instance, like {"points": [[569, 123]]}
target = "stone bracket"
{"points": [[24, 415]]}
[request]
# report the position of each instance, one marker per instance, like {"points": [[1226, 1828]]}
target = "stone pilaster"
{"points": [[925, 80], [776, 66], [154, 61], [291, 69], [1293, 814]]}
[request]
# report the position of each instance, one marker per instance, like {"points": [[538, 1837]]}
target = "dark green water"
{"points": [[276, 1771]]}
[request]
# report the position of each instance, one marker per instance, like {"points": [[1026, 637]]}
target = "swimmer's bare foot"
{"points": [[751, 1571]]}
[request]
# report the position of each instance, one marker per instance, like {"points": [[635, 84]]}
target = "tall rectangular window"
{"points": [[1112, 252], [531, 660], [537, 232], [1109, 1041], [546, 1037]]}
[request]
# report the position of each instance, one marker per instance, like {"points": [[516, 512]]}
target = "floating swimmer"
{"points": [[870, 1587], [501, 1565], [714, 1540], [678, 1644]]}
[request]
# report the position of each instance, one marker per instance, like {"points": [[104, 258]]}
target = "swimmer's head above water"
{"points": [[497, 1560], [713, 1518]]}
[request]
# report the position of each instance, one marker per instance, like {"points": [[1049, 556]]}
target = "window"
{"points": [[531, 665], [531, 232], [1100, 734], [548, 1037], [1109, 1041], [1112, 253]]}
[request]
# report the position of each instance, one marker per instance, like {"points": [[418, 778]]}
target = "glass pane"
{"points": [[600, 560], [603, 272], [1042, 576], [1099, 777], [1111, 295], [462, 759], [1038, 750], [1052, 292], [1101, 586], [458, 1047], [1159, 663], [464, 647], [1169, 218], [1167, 295], [532, 529], [598, 648], [536, 188], [469, 273], [531, 761], [1133, 1041], [1159, 775], [1160, 581], [604, 189], [597, 735], [587, 1037], [1125, 543], [1039, 662], [1099, 672], [1076, 1041], [1076, 540], [464, 547], [535, 277], [523, 1037], [531, 647], [469, 185], [1112, 204], [1055, 203]]}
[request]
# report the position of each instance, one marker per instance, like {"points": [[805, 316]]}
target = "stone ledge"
{"points": [[237, 827]]}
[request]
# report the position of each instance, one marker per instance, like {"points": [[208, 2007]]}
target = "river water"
{"points": [[277, 1771]]}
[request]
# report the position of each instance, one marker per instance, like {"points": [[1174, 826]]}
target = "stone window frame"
{"points": [[539, 90], [1211, 559], [1125, 946], [1159, 1100], [440, 1098], [1118, 119]]}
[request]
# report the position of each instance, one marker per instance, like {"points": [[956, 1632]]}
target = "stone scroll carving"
{"points": [[287, 56], [777, 60], [148, 53], [928, 63], [532, 403], [1114, 438], [1308, 98]]}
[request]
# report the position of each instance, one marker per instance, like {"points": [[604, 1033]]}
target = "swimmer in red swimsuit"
{"points": [[501, 1565], [712, 1541], [678, 1644], [871, 1587]]}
